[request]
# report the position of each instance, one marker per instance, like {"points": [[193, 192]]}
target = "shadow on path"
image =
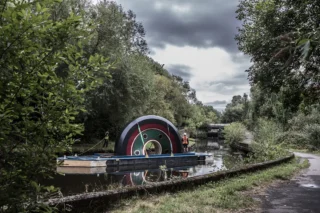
{"points": [[300, 195]]}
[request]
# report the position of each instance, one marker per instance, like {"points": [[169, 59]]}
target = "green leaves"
{"points": [[234, 133], [282, 38], [43, 71]]}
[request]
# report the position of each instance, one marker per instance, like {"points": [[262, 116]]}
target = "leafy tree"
{"points": [[237, 110], [121, 99], [118, 36], [282, 39], [234, 133], [118, 32], [39, 99]]}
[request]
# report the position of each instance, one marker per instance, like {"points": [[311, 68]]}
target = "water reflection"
{"points": [[82, 180]]}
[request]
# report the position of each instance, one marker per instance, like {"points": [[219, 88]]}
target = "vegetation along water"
{"points": [[71, 70]]}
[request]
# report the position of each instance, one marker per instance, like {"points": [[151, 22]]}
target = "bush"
{"points": [[312, 134], [265, 152], [267, 131], [294, 139], [298, 122], [304, 131], [265, 146], [234, 133]]}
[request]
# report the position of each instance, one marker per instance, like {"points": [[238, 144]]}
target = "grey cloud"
{"points": [[180, 70], [218, 105], [209, 23], [228, 86], [224, 102], [237, 80]]}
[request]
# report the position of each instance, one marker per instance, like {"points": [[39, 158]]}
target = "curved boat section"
{"points": [[149, 130]]}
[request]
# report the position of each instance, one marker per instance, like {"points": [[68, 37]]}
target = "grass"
{"points": [[221, 196], [89, 148], [192, 141]]}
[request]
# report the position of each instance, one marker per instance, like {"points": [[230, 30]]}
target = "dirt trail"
{"points": [[300, 195]]}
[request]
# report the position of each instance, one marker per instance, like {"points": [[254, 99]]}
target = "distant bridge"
{"points": [[215, 130]]}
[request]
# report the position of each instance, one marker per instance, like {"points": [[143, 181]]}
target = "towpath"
{"points": [[300, 195]]}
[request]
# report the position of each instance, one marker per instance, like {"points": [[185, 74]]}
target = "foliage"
{"points": [[71, 70], [43, 77], [282, 39], [312, 132], [237, 110], [266, 131], [304, 131], [118, 33], [139, 85], [234, 133], [265, 146]]}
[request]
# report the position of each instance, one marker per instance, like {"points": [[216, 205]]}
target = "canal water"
{"points": [[73, 181]]}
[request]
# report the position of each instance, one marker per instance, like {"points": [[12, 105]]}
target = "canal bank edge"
{"points": [[109, 196]]}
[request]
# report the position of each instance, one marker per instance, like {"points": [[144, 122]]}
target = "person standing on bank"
{"points": [[106, 139], [185, 142]]}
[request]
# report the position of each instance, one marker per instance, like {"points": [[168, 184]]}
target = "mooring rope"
{"points": [[91, 147]]}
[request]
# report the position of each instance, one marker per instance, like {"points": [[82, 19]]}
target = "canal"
{"points": [[73, 181]]}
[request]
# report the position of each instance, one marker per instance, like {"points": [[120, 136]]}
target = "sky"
{"points": [[195, 40]]}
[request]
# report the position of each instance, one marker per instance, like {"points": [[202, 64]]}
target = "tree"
{"points": [[120, 99], [39, 99], [237, 110], [282, 38], [117, 33], [117, 100]]}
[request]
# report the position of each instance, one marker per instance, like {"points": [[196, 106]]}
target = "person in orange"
{"points": [[185, 142]]}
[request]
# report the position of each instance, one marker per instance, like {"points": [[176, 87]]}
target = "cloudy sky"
{"points": [[195, 40]]}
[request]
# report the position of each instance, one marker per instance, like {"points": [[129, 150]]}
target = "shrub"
{"points": [[312, 134], [234, 133], [295, 139], [298, 122], [43, 76], [304, 131], [267, 131], [265, 146]]}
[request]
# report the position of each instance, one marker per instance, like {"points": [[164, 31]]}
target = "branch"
{"points": [[16, 39], [20, 87]]}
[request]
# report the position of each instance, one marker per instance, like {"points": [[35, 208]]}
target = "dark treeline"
{"points": [[136, 85], [69, 71], [282, 38]]}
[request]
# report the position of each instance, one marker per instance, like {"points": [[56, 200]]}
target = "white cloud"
{"points": [[181, 9], [158, 5], [207, 66]]}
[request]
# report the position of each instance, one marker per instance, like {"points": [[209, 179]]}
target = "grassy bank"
{"points": [[222, 196], [192, 141], [88, 148]]}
